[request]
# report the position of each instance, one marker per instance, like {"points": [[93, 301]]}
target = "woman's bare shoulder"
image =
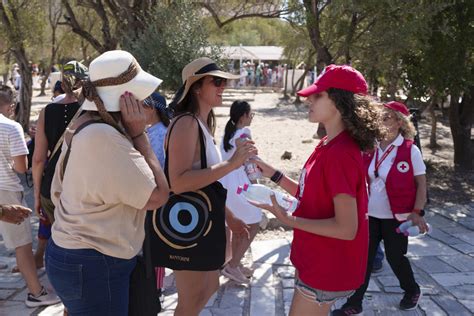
{"points": [[185, 125]]}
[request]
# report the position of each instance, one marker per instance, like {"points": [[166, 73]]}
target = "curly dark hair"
{"points": [[360, 115]]}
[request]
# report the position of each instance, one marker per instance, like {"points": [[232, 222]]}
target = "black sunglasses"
{"points": [[218, 81]]}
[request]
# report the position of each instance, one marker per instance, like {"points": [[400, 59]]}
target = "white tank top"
{"points": [[213, 155]]}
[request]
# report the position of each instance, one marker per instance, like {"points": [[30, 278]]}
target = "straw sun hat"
{"points": [[198, 69], [113, 73]]}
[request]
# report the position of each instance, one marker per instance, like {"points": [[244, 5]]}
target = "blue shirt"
{"points": [[157, 134]]}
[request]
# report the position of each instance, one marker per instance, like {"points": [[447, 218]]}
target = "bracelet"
{"points": [[420, 212], [135, 137], [277, 176]]}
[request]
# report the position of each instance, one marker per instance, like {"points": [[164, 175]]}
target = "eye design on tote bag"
{"points": [[183, 219]]}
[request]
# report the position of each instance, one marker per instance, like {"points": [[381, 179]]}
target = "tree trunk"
{"points": [[299, 85], [44, 80], [285, 90], [324, 57], [26, 90], [460, 119], [434, 121], [298, 82], [292, 80], [321, 131], [7, 70]]}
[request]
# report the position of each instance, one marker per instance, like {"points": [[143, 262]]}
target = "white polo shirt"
{"points": [[12, 144], [379, 205]]}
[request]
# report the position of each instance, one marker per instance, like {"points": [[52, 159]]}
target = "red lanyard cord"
{"points": [[379, 162]]}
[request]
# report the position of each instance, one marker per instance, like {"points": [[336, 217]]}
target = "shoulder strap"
{"points": [[201, 143], [68, 152], [147, 248]]}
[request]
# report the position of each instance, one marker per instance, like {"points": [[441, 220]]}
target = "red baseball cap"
{"points": [[341, 77], [397, 106]]}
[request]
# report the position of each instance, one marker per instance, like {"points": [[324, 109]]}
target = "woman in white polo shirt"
{"points": [[396, 174]]}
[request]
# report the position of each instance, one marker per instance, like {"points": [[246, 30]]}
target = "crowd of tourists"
{"points": [[120, 175]]}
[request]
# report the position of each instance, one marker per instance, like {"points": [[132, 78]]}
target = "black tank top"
{"points": [[56, 119]]}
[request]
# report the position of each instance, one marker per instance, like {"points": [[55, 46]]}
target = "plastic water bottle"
{"points": [[251, 168], [415, 231], [261, 194], [403, 227]]}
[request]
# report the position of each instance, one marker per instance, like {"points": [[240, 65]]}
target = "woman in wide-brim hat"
{"points": [[203, 86], [106, 178]]}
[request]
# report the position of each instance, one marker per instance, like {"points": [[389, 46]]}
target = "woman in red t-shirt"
{"points": [[330, 244]]}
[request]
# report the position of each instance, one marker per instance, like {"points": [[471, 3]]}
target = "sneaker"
{"points": [[346, 310], [234, 274], [42, 299], [410, 301], [377, 267]]}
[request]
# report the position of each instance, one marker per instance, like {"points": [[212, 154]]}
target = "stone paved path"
{"points": [[443, 263]]}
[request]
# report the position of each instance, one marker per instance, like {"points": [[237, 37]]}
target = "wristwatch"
{"points": [[419, 212]]}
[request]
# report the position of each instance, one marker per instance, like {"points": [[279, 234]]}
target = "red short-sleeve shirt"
{"points": [[325, 263]]}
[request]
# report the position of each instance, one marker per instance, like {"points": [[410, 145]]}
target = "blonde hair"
{"points": [[407, 129]]}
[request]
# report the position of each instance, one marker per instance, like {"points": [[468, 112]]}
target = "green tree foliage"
{"points": [[444, 65], [21, 27], [249, 32], [173, 37], [388, 31]]}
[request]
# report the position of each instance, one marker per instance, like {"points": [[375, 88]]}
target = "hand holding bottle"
{"points": [[266, 169], [243, 151], [280, 204], [409, 228], [419, 221], [414, 231], [251, 169]]}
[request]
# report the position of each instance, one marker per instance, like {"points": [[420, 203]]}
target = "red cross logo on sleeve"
{"points": [[403, 166]]}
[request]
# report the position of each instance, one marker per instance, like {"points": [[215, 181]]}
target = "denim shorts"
{"points": [[320, 296], [89, 282]]}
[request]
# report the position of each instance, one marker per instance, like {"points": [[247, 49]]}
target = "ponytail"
{"points": [[237, 110], [229, 132]]}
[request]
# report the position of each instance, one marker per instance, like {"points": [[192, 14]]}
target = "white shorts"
{"points": [[15, 235]]}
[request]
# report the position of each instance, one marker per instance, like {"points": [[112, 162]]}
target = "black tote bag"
{"points": [[188, 232]]}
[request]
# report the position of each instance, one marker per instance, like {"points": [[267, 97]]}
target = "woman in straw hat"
{"points": [[106, 178], [203, 86]]}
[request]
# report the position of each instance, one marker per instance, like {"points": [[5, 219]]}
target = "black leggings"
{"points": [[395, 249]]}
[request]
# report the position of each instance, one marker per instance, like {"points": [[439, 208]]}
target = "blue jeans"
{"points": [[379, 255], [89, 282]]}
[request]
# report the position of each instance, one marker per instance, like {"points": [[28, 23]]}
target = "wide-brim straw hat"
{"points": [[198, 69], [112, 64]]}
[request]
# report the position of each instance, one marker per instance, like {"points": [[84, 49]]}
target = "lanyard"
{"points": [[379, 162]]}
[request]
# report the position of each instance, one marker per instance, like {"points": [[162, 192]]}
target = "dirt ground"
{"points": [[280, 126]]}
